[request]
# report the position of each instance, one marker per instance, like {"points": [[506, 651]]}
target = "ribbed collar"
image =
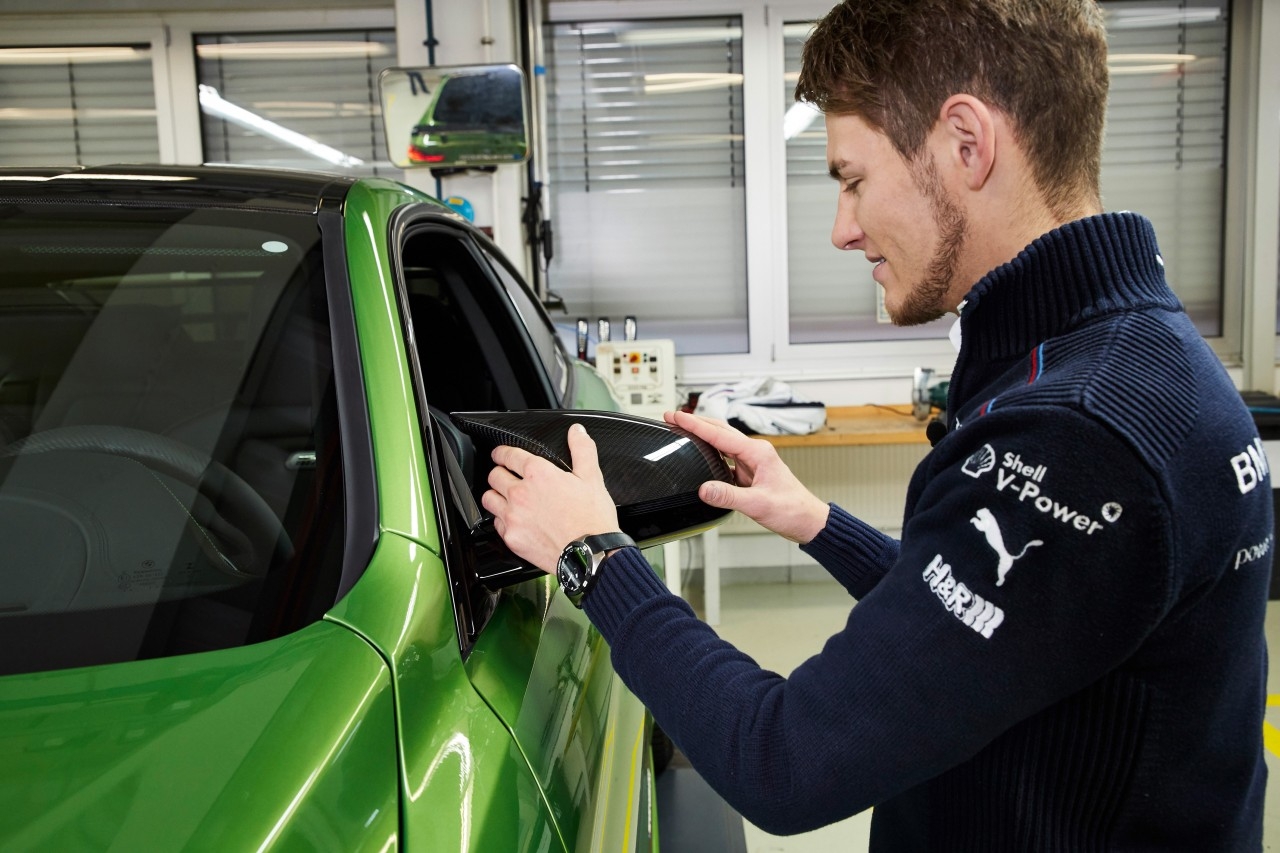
{"points": [[1086, 268]]}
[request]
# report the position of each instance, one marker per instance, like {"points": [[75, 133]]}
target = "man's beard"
{"points": [[926, 300]]}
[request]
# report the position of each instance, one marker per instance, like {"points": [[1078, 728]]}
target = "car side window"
{"points": [[474, 352], [541, 331]]}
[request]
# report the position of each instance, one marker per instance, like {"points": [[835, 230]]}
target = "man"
{"points": [[1065, 650]]}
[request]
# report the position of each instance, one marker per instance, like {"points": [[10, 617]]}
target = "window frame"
{"points": [[758, 191], [182, 29], [379, 163], [171, 37], [116, 29], [473, 605], [1253, 249]]}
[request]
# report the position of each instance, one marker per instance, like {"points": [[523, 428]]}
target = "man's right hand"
{"points": [[766, 491]]}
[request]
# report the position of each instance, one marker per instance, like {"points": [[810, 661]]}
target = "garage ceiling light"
{"points": [[681, 35], [64, 55], [291, 50], [73, 113], [1147, 63], [1153, 17], [214, 104], [689, 81]]}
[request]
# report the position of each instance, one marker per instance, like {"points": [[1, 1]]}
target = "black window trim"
{"points": [[360, 508]]}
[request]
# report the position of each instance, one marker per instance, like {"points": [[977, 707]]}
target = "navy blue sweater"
{"points": [[1065, 650]]}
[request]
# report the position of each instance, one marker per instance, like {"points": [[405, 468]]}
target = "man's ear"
{"points": [[969, 135]]}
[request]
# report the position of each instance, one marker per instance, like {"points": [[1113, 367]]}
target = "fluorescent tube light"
{"points": [[214, 104]]}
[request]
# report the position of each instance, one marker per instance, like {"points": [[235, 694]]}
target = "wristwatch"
{"points": [[580, 561]]}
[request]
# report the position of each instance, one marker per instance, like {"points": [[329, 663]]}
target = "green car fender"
{"points": [[464, 784], [90, 770]]}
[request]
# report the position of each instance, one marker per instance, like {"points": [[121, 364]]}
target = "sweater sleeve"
{"points": [[854, 552], [1035, 558]]}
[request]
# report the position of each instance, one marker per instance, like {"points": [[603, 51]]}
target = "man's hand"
{"points": [[538, 508], [766, 491]]}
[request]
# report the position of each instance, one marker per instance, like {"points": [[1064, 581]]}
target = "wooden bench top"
{"points": [[857, 425]]}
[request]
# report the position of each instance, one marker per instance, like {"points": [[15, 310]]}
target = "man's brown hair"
{"points": [[1042, 63]]}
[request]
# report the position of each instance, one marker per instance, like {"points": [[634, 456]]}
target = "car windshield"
{"points": [[169, 471]]}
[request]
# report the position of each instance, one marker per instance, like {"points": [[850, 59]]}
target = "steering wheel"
{"points": [[236, 527]]}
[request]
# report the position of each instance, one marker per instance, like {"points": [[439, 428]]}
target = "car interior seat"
{"points": [[35, 347], [134, 368]]}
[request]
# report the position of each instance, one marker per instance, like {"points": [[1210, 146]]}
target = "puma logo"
{"points": [[986, 522]]}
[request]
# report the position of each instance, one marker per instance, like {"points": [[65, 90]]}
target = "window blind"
{"points": [[306, 100], [1163, 156], [831, 296], [646, 164], [1164, 150], [646, 104], [77, 105]]}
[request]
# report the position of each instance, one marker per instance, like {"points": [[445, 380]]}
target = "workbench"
{"points": [[854, 425]]}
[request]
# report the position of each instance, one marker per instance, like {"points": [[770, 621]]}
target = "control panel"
{"points": [[641, 373]]}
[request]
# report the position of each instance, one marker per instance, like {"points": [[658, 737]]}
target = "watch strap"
{"points": [[608, 541]]}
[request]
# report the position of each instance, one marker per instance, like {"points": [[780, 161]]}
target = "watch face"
{"points": [[573, 568]]}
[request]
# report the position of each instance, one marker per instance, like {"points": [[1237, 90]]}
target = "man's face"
{"points": [[900, 216]]}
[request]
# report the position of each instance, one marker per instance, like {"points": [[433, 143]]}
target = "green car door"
{"points": [[453, 329]]}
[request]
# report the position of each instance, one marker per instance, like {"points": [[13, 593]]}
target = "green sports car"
{"points": [[240, 605]]}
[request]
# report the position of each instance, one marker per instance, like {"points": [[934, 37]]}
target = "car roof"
{"points": [[205, 186]]}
